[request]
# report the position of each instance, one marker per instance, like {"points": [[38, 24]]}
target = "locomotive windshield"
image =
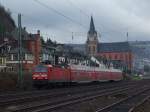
{"points": [[41, 68]]}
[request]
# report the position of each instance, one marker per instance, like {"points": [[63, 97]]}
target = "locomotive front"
{"points": [[40, 75]]}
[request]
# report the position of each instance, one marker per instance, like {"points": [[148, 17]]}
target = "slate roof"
{"points": [[104, 47], [114, 47], [92, 27], [46, 51]]}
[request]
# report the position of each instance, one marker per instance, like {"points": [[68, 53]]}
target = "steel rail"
{"points": [[123, 105], [48, 94], [80, 98]]}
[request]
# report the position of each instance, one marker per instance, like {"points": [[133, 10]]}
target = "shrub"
{"points": [[9, 81]]}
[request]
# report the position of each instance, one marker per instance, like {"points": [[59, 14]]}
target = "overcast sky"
{"points": [[112, 18]]}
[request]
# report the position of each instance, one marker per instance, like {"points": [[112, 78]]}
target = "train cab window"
{"points": [[41, 68]]}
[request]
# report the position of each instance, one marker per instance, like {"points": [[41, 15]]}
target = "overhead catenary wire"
{"points": [[102, 34], [73, 4], [99, 34], [85, 14], [58, 13], [31, 18], [26, 17], [61, 14]]}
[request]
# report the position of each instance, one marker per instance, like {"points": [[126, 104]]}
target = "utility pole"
{"points": [[20, 78], [127, 36], [72, 37]]}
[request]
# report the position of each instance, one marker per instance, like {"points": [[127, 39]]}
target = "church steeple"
{"points": [[92, 40], [92, 27]]}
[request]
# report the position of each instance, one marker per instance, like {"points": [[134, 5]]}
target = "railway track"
{"points": [[142, 102], [38, 95], [73, 99], [127, 104], [58, 99], [68, 100], [27, 93], [83, 99], [9, 95]]}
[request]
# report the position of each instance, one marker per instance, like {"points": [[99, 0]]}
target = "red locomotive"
{"points": [[81, 72]]}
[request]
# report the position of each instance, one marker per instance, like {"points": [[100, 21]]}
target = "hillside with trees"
{"points": [[7, 24]]}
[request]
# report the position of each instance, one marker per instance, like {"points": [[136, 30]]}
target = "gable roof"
{"points": [[114, 47]]}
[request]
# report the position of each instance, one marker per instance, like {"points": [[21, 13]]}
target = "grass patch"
{"points": [[136, 77]]}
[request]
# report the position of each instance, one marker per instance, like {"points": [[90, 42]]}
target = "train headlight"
{"points": [[46, 78], [34, 77], [43, 75]]}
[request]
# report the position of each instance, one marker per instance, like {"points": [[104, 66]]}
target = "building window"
{"points": [[29, 57], [130, 57], [1, 61], [121, 56], [89, 49], [109, 56], [12, 57], [94, 49], [116, 56], [15, 56], [126, 57]]}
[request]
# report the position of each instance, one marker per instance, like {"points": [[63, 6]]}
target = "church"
{"points": [[117, 51]]}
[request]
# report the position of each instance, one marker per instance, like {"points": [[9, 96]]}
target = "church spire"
{"points": [[92, 40], [92, 27]]}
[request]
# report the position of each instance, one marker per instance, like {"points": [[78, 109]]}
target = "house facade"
{"points": [[4, 49], [30, 50]]}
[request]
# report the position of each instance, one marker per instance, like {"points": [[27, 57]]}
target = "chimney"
{"points": [[38, 32], [24, 28]]}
